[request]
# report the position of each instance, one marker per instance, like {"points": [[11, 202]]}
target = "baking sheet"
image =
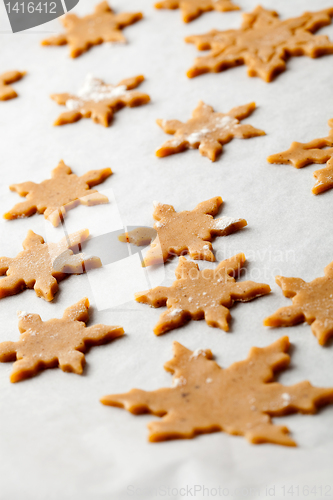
{"points": [[56, 439]]}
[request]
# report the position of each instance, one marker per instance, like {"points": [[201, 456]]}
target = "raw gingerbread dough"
{"points": [[98, 100], [207, 130], [140, 237], [191, 9], [57, 342], [54, 197], [263, 43], [101, 26], [239, 400], [189, 231], [312, 302], [33, 268], [206, 294], [317, 151], [6, 91]]}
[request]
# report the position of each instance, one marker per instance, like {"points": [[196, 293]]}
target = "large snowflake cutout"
{"points": [[239, 400], [264, 43]]}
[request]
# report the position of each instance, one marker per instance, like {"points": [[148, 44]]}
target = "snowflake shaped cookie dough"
{"points": [[99, 101], [190, 231], [207, 130], [206, 294], [264, 43], [56, 342], [34, 266], [317, 151], [100, 27], [191, 9], [312, 302], [6, 91], [54, 197], [239, 400]]}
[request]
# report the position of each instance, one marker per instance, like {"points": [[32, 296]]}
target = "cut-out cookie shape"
{"points": [[56, 342], [206, 294], [190, 231], [263, 43], [191, 9], [6, 91], [85, 32], [207, 130], [239, 400], [302, 154], [312, 302], [99, 101], [54, 197], [33, 268]]}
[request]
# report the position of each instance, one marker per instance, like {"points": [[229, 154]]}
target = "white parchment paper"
{"points": [[56, 439]]}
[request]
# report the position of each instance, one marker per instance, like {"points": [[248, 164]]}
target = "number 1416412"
{"points": [[32, 7]]}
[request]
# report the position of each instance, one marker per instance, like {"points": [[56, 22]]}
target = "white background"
{"points": [[56, 439]]}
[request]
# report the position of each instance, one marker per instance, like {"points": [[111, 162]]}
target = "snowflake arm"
{"points": [[324, 178], [6, 91]]}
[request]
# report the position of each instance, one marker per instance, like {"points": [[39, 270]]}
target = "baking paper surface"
{"points": [[56, 439]]}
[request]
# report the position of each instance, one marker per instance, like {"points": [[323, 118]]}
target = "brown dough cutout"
{"points": [[207, 130], [264, 43], [6, 91], [85, 32], [206, 294], [190, 231], [55, 343], [191, 9], [99, 101], [302, 154], [312, 302], [54, 197], [239, 400], [33, 268]]}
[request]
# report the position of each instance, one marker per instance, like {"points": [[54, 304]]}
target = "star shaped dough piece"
{"points": [[264, 43], [100, 27], [206, 294], [6, 91], [207, 130], [54, 197], [191, 9], [57, 342], [239, 400], [312, 302], [98, 100], [190, 231], [317, 151], [42, 265]]}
